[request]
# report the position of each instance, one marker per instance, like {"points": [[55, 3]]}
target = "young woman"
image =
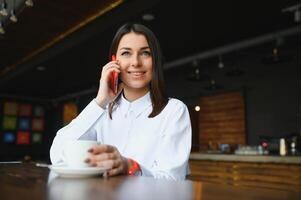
{"points": [[140, 130]]}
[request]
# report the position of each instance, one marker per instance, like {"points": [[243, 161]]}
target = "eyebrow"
{"points": [[127, 48]]}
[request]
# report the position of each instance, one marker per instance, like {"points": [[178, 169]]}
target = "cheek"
{"points": [[123, 66], [148, 65], [123, 73]]}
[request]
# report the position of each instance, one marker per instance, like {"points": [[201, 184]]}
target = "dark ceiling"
{"points": [[73, 63]]}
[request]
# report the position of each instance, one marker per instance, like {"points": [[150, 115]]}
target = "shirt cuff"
{"points": [[145, 172]]}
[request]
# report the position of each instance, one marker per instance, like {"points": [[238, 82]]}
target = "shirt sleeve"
{"points": [[173, 153], [82, 127]]}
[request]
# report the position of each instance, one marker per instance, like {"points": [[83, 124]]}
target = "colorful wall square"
{"points": [[69, 112], [36, 138], [10, 108], [24, 124], [25, 110], [23, 137], [38, 111], [9, 137], [37, 124], [9, 123]]}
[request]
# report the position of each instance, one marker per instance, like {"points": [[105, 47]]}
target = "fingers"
{"points": [[102, 157], [107, 70], [105, 94], [110, 65], [108, 157], [108, 164], [102, 148], [114, 172]]}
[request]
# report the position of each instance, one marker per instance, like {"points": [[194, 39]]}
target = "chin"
{"points": [[137, 85]]}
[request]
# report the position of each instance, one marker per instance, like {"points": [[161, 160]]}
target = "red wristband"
{"points": [[135, 167]]}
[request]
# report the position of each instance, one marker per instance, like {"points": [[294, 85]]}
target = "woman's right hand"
{"points": [[105, 94]]}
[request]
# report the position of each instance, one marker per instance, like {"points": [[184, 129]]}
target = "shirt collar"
{"points": [[137, 106]]}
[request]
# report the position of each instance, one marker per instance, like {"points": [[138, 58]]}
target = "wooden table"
{"points": [[26, 181]]}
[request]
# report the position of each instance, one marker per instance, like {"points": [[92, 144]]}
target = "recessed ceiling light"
{"points": [[3, 10], [29, 3], [13, 16], [148, 17]]}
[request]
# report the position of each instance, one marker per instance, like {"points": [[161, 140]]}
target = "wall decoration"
{"points": [[70, 111], [21, 123], [23, 137], [25, 110], [9, 123], [37, 124], [9, 137], [36, 138], [24, 124], [10, 108], [38, 111]]}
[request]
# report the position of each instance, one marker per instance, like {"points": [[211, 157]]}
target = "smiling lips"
{"points": [[136, 74]]}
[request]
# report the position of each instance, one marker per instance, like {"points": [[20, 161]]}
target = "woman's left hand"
{"points": [[109, 157]]}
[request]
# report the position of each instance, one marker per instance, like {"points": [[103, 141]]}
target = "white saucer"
{"points": [[65, 171]]}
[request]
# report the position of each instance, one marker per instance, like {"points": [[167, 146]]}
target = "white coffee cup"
{"points": [[76, 152]]}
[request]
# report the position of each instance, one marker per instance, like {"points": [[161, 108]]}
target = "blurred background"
{"points": [[235, 64]]}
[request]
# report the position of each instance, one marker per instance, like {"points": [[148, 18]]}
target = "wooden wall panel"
{"points": [[221, 120]]}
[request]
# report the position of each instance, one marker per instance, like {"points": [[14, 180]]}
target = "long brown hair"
{"points": [[157, 87]]}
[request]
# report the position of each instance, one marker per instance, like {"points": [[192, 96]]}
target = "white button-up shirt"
{"points": [[161, 145]]}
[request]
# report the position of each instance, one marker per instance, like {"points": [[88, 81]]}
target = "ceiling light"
{"points": [[29, 3], [148, 17], [296, 9], [3, 10], [276, 57], [213, 86], [13, 16], [197, 73], [220, 62], [197, 108], [2, 31]]}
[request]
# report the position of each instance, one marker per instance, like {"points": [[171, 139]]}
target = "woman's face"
{"points": [[135, 60]]}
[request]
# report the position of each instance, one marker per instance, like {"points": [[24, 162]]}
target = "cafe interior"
{"points": [[235, 64]]}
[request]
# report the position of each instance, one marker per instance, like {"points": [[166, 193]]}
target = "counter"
{"points": [[273, 172], [247, 158]]}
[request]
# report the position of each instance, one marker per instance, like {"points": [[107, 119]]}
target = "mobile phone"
{"points": [[114, 79]]}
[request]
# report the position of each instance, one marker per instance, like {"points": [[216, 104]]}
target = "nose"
{"points": [[135, 61]]}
